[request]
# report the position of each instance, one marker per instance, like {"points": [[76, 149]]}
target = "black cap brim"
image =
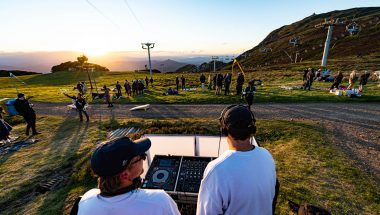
{"points": [[142, 146]]}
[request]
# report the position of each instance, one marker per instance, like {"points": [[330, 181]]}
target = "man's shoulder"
{"points": [[153, 195], [93, 193]]}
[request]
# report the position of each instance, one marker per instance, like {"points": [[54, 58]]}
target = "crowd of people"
{"points": [[310, 75]]}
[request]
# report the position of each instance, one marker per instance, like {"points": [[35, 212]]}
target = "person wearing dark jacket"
{"points": [[239, 84], [177, 82], [363, 80], [118, 88], [337, 81], [203, 80], [227, 83], [250, 91], [80, 104], [183, 82], [5, 128], [24, 108], [146, 82]]}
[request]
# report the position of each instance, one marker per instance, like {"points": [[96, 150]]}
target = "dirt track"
{"points": [[354, 127]]}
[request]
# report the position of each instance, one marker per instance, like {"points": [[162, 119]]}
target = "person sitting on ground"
{"points": [[337, 81], [118, 163], [5, 128], [243, 179], [250, 91], [363, 80], [170, 91], [80, 104], [352, 79]]}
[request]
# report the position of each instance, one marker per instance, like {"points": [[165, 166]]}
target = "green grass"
{"points": [[310, 169], [46, 88]]}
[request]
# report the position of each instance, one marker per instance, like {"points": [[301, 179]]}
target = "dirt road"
{"points": [[353, 127]]}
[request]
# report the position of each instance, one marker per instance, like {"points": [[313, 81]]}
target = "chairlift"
{"points": [[353, 28], [265, 49], [294, 41]]}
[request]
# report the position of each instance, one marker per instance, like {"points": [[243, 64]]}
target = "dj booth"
{"points": [[176, 165]]}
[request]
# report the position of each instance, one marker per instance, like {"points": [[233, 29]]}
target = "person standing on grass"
{"points": [[146, 82], [177, 83], [118, 88], [337, 81], [119, 164], [107, 96], [243, 179], [80, 104], [363, 80], [183, 82], [227, 83], [151, 81], [239, 83], [127, 87], [352, 79], [202, 79], [24, 108], [250, 91]]}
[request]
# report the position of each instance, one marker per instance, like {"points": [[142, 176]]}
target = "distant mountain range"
{"points": [[43, 61]]}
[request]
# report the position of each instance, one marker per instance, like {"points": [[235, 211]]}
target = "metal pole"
{"points": [[327, 45], [214, 58], [148, 46], [150, 64]]}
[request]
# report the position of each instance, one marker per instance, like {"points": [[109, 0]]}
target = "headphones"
{"points": [[224, 128]]}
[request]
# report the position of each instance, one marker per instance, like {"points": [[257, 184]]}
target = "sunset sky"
{"points": [[179, 27]]}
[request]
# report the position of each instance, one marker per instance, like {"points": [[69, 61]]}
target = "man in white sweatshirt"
{"points": [[243, 179], [119, 164]]}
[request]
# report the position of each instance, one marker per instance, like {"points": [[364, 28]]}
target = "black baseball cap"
{"points": [[111, 157], [238, 117], [20, 95]]}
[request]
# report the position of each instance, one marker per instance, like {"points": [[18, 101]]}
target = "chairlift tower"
{"points": [[148, 46], [330, 25], [214, 58]]}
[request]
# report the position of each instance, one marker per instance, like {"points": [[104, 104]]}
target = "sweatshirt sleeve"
{"points": [[209, 198]]}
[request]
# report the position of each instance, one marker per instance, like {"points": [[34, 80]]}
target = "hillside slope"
{"points": [[276, 49]]}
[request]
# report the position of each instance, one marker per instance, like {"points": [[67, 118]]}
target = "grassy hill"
{"points": [[47, 87], [345, 50]]}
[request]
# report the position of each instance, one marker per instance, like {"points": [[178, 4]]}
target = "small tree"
{"points": [[82, 60]]}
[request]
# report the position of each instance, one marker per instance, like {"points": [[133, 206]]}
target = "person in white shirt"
{"points": [[119, 164], [243, 179]]}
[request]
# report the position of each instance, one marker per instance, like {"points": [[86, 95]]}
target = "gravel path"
{"points": [[353, 127]]}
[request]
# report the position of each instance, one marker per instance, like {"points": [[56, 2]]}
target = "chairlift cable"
{"points": [[101, 13], [134, 15]]}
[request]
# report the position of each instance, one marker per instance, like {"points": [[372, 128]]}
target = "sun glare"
{"points": [[95, 52]]}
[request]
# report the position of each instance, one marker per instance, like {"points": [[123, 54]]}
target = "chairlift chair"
{"points": [[294, 41], [353, 28]]}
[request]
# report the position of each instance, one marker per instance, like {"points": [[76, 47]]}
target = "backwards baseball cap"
{"points": [[111, 157], [20, 95], [238, 117]]}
